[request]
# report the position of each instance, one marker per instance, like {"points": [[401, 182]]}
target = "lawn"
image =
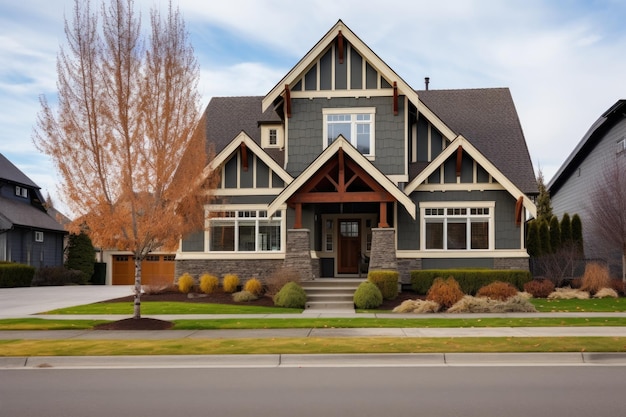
{"points": [[601, 305], [172, 307]]}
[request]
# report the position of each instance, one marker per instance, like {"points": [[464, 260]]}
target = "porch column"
{"points": [[298, 254], [383, 253]]}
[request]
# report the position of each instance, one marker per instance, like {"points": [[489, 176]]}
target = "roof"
{"points": [[15, 213], [488, 119], [589, 141], [11, 173]]}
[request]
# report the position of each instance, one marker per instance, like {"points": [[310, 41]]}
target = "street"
{"points": [[499, 391]]}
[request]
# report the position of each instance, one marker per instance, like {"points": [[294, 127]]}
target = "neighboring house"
{"points": [[343, 162], [28, 233], [601, 147]]}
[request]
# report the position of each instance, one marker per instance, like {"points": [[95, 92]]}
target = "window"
{"points": [[621, 145], [21, 191], [356, 125], [38, 236], [457, 228], [273, 137], [244, 231]]}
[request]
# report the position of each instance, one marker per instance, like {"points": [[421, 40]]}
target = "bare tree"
{"points": [[608, 208], [127, 112]]}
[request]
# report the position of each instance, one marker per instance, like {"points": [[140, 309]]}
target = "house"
{"points": [[344, 166], [601, 147], [29, 234]]}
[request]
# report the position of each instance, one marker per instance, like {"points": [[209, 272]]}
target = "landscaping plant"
{"points": [[253, 286], [386, 281], [367, 295], [498, 291], [539, 288], [230, 284], [292, 295], [445, 292], [186, 283], [595, 278], [244, 296], [208, 283]]}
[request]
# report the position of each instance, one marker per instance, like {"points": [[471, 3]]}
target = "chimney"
{"points": [[426, 82]]}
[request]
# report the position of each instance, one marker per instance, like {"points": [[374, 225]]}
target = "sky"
{"points": [[564, 61]]}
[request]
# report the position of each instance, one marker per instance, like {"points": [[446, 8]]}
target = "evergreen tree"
{"points": [[533, 244], [566, 229], [555, 234], [544, 237], [577, 234], [81, 254], [544, 203]]}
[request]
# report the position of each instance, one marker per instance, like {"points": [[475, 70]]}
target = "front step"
{"points": [[331, 293]]}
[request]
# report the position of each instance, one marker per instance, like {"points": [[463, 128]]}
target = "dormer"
{"points": [[272, 135]]}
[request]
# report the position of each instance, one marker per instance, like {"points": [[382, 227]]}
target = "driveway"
{"points": [[20, 302]]}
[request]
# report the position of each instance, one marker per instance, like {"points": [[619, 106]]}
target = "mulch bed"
{"points": [[218, 297]]}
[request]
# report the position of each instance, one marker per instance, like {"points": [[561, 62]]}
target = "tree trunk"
{"points": [[137, 303]]}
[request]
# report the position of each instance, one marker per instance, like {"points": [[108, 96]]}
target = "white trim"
{"points": [[438, 162], [352, 111], [188, 256], [431, 254], [460, 187], [360, 93], [246, 191]]}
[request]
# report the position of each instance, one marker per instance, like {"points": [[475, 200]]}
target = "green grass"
{"points": [[166, 307], [319, 323], [309, 346], [602, 305]]}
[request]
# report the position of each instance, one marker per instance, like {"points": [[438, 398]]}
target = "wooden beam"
{"points": [[287, 100], [382, 222], [518, 211], [459, 160], [395, 98], [244, 156], [298, 221], [341, 181], [340, 45], [333, 197]]}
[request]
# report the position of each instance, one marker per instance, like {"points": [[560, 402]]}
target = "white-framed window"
{"points": [[21, 191], [272, 136], [356, 124], [457, 226], [621, 145], [38, 236], [244, 231]]}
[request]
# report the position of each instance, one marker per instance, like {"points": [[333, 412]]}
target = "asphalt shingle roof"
{"points": [[10, 172]]}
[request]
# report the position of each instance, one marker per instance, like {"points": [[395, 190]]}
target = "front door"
{"points": [[349, 249]]}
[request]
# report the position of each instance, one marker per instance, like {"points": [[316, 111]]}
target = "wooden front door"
{"points": [[349, 249]]}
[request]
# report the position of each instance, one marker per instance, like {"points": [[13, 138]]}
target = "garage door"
{"points": [[155, 270]]}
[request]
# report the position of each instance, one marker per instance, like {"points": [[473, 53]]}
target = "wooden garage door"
{"points": [[155, 270]]}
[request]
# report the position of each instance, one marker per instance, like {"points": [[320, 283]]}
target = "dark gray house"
{"points": [[343, 162], [603, 146], [28, 233]]}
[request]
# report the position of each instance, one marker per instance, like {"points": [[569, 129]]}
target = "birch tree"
{"points": [[123, 130]]}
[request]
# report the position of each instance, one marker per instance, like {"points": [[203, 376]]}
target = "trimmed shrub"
{"points": [[533, 244], [15, 275], [367, 295], [254, 286], [445, 292], [595, 278], [555, 234], [386, 281], [498, 291], [606, 293], [544, 237], [208, 283], [539, 288], [81, 254], [244, 296], [470, 280], [277, 280], [417, 307], [292, 295], [231, 282], [186, 283], [58, 275]]}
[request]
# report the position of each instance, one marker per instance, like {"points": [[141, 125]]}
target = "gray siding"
{"points": [[22, 248], [306, 132], [573, 195], [507, 234]]}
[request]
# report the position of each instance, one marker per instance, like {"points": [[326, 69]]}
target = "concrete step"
{"points": [[331, 293], [330, 305], [330, 297]]}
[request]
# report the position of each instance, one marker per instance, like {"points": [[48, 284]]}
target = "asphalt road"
{"points": [[502, 391]]}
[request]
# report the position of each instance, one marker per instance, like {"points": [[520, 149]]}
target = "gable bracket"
{"points": [[340, 44], [395, 98], [518, 211], [459, 160], [244, 156], [288, 100]]}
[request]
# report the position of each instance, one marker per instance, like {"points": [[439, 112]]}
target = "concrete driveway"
{"points": [[20, 302]]}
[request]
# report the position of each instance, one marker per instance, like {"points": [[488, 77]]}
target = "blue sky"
{"points": [[563, 61]]}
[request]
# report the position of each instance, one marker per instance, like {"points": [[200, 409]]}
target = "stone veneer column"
{"points": [[298, 253], [383, 253]]}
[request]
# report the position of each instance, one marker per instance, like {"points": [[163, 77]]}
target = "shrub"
{"points": [[568, 294], [231, 282], [292, 295], [254, 286], [498, 291], [58, 275], [80, 254], [277, 280], [618, 285], [367, 295], [244, 296], [445, 292], [515, 304], [595, 278], [470, 280], [386, 281], [469, 304], [208, 283], [417, 306], [606, 293], [186, 283], [539, 288]]}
